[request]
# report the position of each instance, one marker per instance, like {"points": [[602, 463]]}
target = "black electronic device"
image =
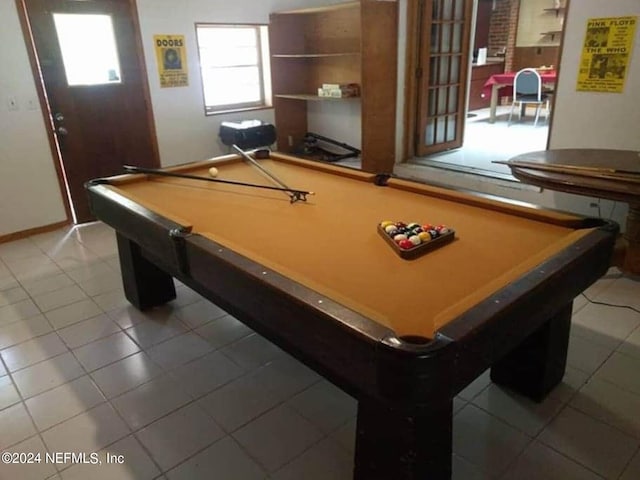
{"points": [[248, 134]]}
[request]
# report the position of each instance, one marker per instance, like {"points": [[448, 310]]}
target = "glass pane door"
{"points": [[88, 46], [444, 58]]}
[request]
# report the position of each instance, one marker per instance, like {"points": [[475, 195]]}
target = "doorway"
{"points": [[507, 38], [484, 139], [88, 63]]}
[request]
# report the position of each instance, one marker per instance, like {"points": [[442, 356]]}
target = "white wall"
{"points": [[533, 20], [596, 120], [29, 193], [184, 132]]}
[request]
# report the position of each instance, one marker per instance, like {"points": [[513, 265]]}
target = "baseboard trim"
{"points": [[32, 231]]}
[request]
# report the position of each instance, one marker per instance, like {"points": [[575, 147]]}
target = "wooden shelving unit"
{"points": [[313, 98], [316, 55], [331, 44]]}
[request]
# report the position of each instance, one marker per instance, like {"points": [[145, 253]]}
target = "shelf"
{"points": [[327, 8], [551, 34], [316, 98], [555, 10], [314, 55]]}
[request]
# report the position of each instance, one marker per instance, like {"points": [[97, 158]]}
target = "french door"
{"points": [[442, 66]]}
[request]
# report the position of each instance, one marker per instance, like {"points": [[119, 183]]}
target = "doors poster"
{"points": [[171, 56], [606, 54]]}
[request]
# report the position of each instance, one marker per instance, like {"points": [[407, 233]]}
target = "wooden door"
{"points": [[444, 29], [90, 62]]}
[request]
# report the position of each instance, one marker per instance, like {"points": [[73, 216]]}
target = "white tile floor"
{"points": [[485, 142], [187, 392]]}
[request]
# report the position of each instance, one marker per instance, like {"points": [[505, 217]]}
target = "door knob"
{"points": [[62, 131], [58, 117]]}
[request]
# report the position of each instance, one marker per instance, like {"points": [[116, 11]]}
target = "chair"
{"points": [[527, 89]]}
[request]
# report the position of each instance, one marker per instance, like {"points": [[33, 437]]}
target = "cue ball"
{"points": [[213, 171]]}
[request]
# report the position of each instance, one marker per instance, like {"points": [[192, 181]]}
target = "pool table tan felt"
{"points": [[331, 245]]}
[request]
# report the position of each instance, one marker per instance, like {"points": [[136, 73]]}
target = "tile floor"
{"points": [[187, 392], [485, 142]]}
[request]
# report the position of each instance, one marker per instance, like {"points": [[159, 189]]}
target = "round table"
{"points": [[591, 172]]}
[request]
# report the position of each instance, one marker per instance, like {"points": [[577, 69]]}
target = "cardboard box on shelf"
{"points": [[338, 90]]}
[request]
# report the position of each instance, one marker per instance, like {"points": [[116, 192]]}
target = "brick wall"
{"points": [[503, 28]]}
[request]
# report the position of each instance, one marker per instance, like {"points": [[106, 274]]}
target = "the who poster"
{"points": [[172, 60], [606, 54]]}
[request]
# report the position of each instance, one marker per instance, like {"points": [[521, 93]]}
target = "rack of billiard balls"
{"points": [[410, 240]]}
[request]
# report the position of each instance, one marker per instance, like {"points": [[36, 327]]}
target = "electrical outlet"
{"points": [[32, 103], [12, 104], [290, 140]]}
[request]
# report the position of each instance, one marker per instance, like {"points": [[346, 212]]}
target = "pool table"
{"points": [[403, 336]]}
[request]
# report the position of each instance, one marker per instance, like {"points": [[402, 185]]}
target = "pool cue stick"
{"points": [[293, 195], [541, 165], [162, 173], [592, 172]]}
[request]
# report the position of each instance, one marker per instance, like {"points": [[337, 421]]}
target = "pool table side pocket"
{"points": [[345, 346], [334, 340], [145, 239]]}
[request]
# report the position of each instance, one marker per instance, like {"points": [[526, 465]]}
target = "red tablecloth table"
{"points": [[501, 85]]}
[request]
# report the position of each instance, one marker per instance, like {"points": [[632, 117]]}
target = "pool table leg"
{"points": [[632, 239], [145, 285], [537, 365], [402, 445]]}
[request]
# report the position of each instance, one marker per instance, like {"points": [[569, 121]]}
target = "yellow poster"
{"points": [[172, 60], [606, 54]]}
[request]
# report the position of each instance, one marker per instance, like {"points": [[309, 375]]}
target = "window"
{"points": [[234, 64], [89, 51]]}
